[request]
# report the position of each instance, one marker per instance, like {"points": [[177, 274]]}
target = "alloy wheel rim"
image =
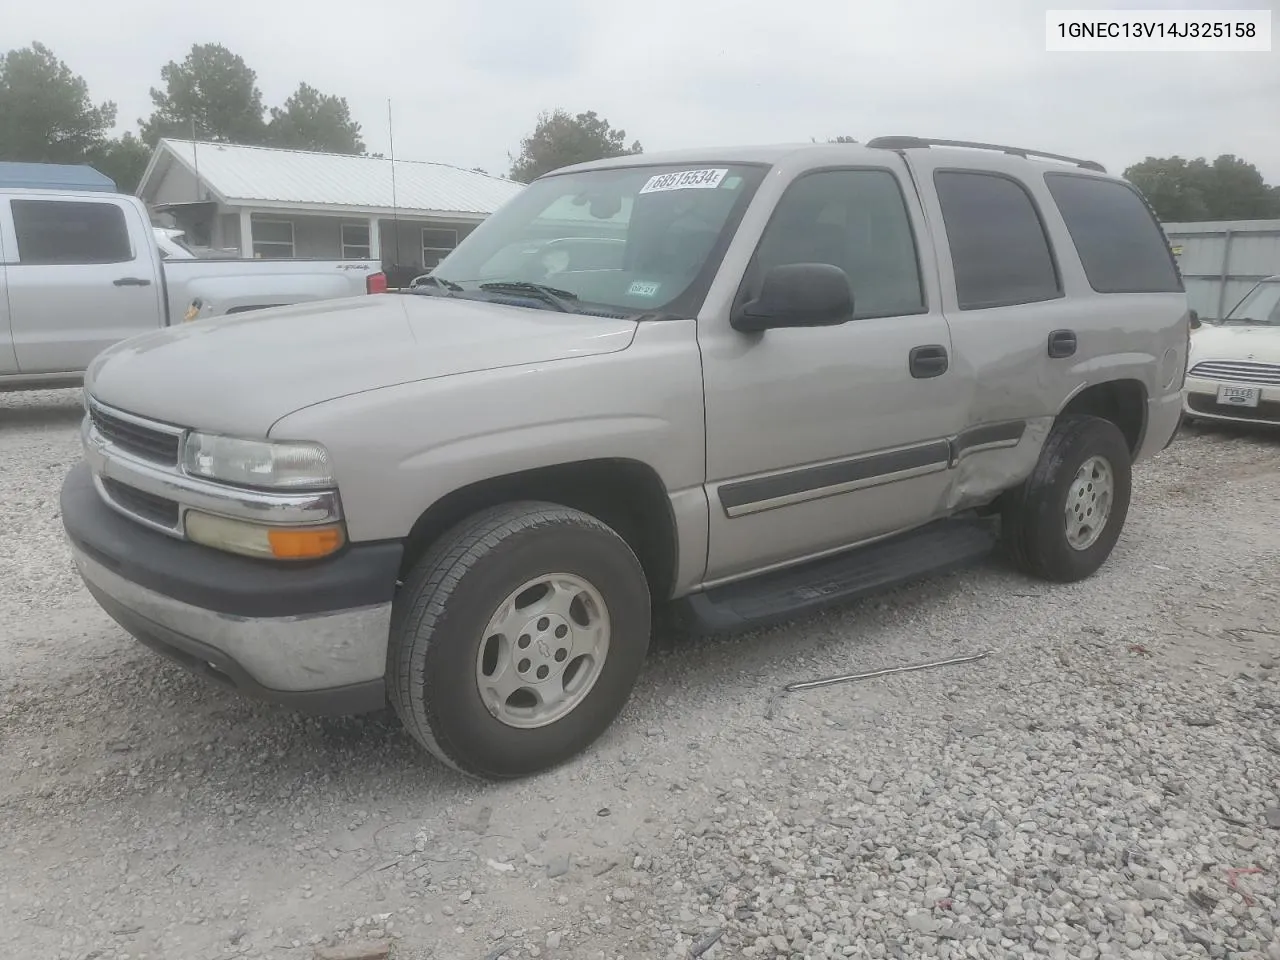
{"points": [[1089, 501], [543, 650]]}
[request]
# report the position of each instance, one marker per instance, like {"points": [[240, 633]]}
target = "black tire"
{"points": [[1034, 516], [445, 604]]}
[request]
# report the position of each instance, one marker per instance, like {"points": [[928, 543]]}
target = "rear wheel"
{"points": [[1064, 521], [517, 639]]}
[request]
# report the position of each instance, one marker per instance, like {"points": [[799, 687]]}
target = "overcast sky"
{"points": [[467, 78]]}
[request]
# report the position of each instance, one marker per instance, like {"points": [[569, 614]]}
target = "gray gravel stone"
{"points": [[1049, 802]]}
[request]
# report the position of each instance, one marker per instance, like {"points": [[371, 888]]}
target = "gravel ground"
{"points": [[1106, 783]]}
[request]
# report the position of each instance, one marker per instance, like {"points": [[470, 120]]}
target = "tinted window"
{"points": [[1121, 246], [856, 220], [59, 231], [998, 245]]}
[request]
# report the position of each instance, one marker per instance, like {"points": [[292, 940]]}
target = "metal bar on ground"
{"points": [[870, 675]]}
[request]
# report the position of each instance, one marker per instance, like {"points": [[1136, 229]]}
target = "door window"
{"points": [[999, 249], [66, 232], [852, 219]]}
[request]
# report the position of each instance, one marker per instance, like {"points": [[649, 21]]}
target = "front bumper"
{"points": [[1200, 400], [309, 635]]}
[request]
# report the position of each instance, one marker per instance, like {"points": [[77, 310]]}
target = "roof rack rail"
{"points": [[907, 143]]}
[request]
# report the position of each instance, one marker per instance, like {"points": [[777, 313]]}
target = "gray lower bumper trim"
{"points": [[282, 654]]}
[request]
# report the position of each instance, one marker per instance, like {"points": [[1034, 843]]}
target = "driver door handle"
{"points": [[132, 282], [928, 361]]}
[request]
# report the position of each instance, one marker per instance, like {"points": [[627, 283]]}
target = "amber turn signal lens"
{"points": [[304, 543], [262, 540]]}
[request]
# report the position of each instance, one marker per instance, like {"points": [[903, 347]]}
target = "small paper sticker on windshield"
{"points": [[643, 288], [684, 180]]}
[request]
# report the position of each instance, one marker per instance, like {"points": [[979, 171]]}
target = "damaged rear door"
{"points": [[1014, 330]]}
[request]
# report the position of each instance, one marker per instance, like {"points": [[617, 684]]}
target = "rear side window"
{"points": [[999, 248], [65, 231], [1121, 245]]}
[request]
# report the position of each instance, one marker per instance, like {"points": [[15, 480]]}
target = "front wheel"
{"points": [[517, 639], [1064, 521]]}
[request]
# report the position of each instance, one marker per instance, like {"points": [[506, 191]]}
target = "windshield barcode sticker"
{"points": [[684, 180], [643, 288]]}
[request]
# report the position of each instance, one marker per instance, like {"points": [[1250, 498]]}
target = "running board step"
{"points": [[940, 547]]}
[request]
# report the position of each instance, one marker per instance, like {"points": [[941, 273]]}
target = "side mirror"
{"points": [[1194, 319], [798, 295]]}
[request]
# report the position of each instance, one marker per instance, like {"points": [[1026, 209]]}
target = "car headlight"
{"points": [[288, 465]]}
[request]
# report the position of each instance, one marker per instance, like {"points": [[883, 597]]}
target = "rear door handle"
{"points": [[1062, 343], [132, 282], [928, 361]]}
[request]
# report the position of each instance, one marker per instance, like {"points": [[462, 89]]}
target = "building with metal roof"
{"points": [[269, 202], [54, 176]]}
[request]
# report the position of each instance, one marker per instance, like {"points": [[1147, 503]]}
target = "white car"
{"points": [[1233, 371]]}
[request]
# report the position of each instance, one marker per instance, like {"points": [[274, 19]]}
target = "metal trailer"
{"points": [[1221, 260]]}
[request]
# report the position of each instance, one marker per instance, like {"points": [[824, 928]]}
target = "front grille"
{"points": [[1266, 410], [153, 445], [1238, 371], [148, 506]]}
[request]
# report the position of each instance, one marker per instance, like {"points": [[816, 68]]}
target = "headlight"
{"points": [[257, 463], [261, 540]]}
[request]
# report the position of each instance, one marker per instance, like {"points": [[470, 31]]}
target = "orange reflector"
{"points": [[305, 543]]}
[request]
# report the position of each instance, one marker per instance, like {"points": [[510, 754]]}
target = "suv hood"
{"points": [[1258, 342], [239, 374]]}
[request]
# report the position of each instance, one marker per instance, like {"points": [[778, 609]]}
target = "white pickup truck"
{"points": [[82, 271]]}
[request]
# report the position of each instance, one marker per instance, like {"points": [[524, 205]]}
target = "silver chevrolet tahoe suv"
{"points": [[733, 384]]}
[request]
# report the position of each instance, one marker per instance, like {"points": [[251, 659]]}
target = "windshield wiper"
{"points": [[560, 299]]}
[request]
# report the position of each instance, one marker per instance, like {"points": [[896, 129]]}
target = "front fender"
{"points": [[400, 449]]}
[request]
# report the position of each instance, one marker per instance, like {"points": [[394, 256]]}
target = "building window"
{"points": [[272, 239], [355, 241], [436, 245], [999, 250], [1120, 243], [62, 232]]}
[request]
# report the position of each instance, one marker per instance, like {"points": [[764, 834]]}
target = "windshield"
{"points": [[631, 240], [1260, 306]]}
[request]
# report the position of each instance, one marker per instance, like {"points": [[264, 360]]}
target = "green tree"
{"points": [[1235, 190], [123, 160], [310, 120], [212, 87], [560, 139], [1182, 190], [46, 115]]}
